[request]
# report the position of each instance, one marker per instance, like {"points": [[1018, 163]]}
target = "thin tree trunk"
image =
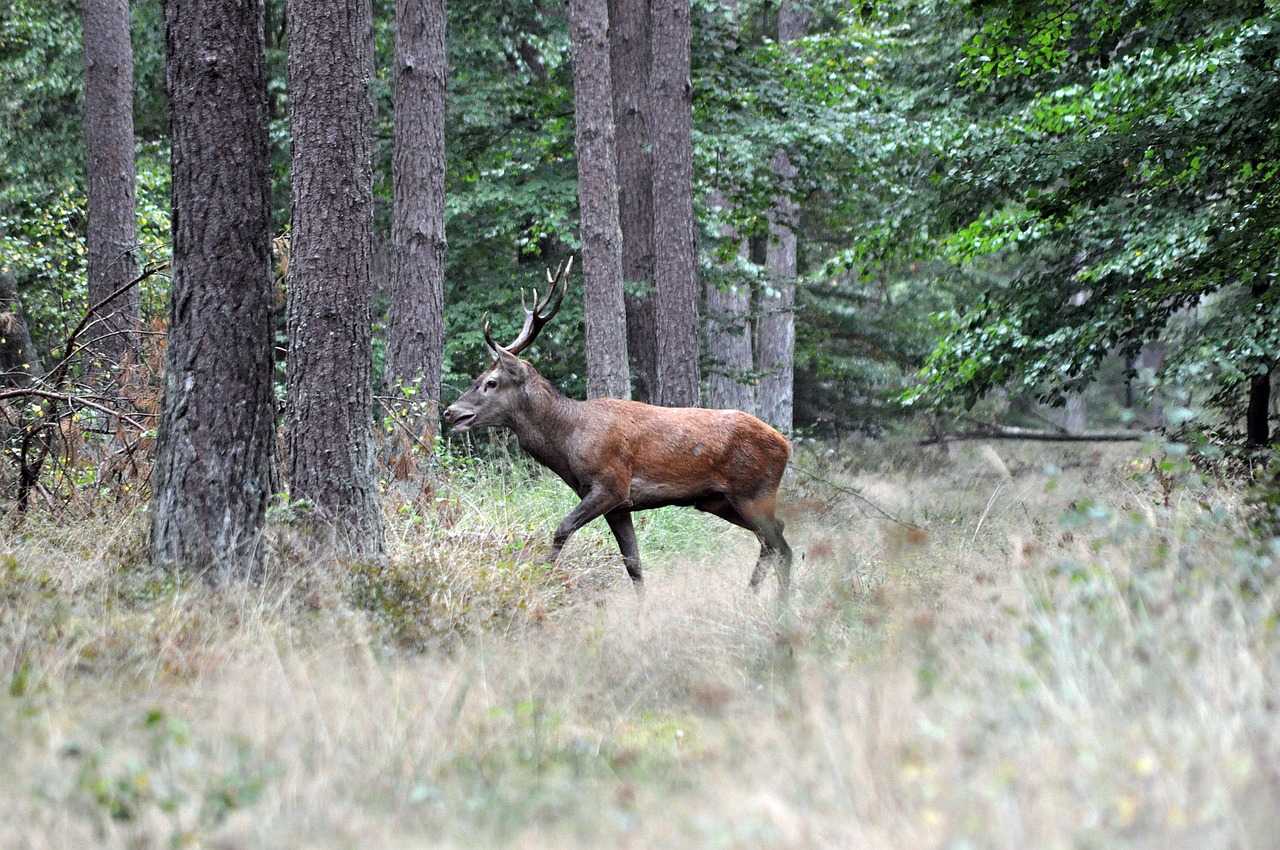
{"points": [[214, 470], [607, 372], [19, 360], [728, 327], [777, 326], [330, 404], [675, 256], [108, 124], [415, 346], [1075, 417], [630, 55], [728, 322], [1258, 418]]}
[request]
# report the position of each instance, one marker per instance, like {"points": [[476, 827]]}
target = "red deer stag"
{"points": [[624, 456]]}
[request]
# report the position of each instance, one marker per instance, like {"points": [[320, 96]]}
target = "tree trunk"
{"points": [[330, 400], [1258, 417], [629, 56], [415, 345], [214, 469], [728, 326], [108, 127], [607, 372], [777, 324], [675, 257], [19, 360], [1075, 417]]}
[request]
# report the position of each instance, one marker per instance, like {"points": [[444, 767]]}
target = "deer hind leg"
{"points": [[625, 533], [758, 513]]}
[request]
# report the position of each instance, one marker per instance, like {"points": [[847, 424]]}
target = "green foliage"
{"points": [[992, 194], [1121, 173]]}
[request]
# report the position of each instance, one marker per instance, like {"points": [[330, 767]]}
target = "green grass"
{"points": [[1077, 652]]}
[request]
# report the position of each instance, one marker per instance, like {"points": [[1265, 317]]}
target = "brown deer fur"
{"points": [[624, 456]]}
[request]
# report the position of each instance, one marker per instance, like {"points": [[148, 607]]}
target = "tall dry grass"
{"points": [[1077, 652]]}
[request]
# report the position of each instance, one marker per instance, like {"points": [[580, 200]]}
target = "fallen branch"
{"points": [[1011, 433], [849, 491]]}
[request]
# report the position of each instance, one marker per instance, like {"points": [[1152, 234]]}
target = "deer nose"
{"points": [[449, 414]]}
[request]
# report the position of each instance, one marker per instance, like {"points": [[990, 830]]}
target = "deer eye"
{"points": [[491, 383]]}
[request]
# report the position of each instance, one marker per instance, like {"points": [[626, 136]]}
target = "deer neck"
{"points": [[544, 425]]}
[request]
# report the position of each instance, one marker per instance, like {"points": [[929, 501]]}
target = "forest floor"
{"points": [[1078, 650]]}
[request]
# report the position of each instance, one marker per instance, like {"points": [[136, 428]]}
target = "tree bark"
{"points": [[1258, 417], [415, 344], [777, 325], [330, 399], [214, 470], [108, 127], [630, 54], [19, 360], [728, 328], [675, 256], [607, 372]]}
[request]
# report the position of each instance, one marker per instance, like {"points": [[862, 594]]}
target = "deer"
{"points": [[622, 456]]}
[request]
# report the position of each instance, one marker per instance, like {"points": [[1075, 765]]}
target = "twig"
{"points": [[71, 398], [852, 492]]}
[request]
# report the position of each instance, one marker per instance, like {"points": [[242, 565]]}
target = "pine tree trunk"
{"points": [[330, 405], [1258, 417], [19, 360], [108, 124], [728, 328], [629, 57], [607, 372], [415, 344], [675, 257], [214, 469], [777, 327]]}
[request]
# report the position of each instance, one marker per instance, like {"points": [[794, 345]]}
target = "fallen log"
{"points": [[1013, 433]]}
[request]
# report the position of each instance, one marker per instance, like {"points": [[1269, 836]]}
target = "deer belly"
{"points": [[648, 493]]}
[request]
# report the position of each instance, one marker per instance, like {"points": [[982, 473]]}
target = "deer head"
{"points": [[494, 395]]}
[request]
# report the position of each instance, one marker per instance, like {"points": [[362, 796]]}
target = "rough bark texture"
{"points": [[19, 360], [329, 416], [777, 325], [728, 326], [108, 129], [630, 55], [214, 469], [415, 344], [607, 372], [675, 258]]}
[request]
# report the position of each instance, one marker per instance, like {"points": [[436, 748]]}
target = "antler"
{"points": [[543, 311]]}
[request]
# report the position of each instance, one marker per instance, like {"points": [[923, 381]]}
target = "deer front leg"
{"points": [[598, 501]]}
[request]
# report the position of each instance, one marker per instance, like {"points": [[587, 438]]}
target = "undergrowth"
{"points": [[1044, 648]]}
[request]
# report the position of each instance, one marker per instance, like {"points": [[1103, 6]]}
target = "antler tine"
{"points": [[543, 308], [559, 286], [488, 336]]}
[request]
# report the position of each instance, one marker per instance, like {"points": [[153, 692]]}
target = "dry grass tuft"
{"points": [[1060, 660]]}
